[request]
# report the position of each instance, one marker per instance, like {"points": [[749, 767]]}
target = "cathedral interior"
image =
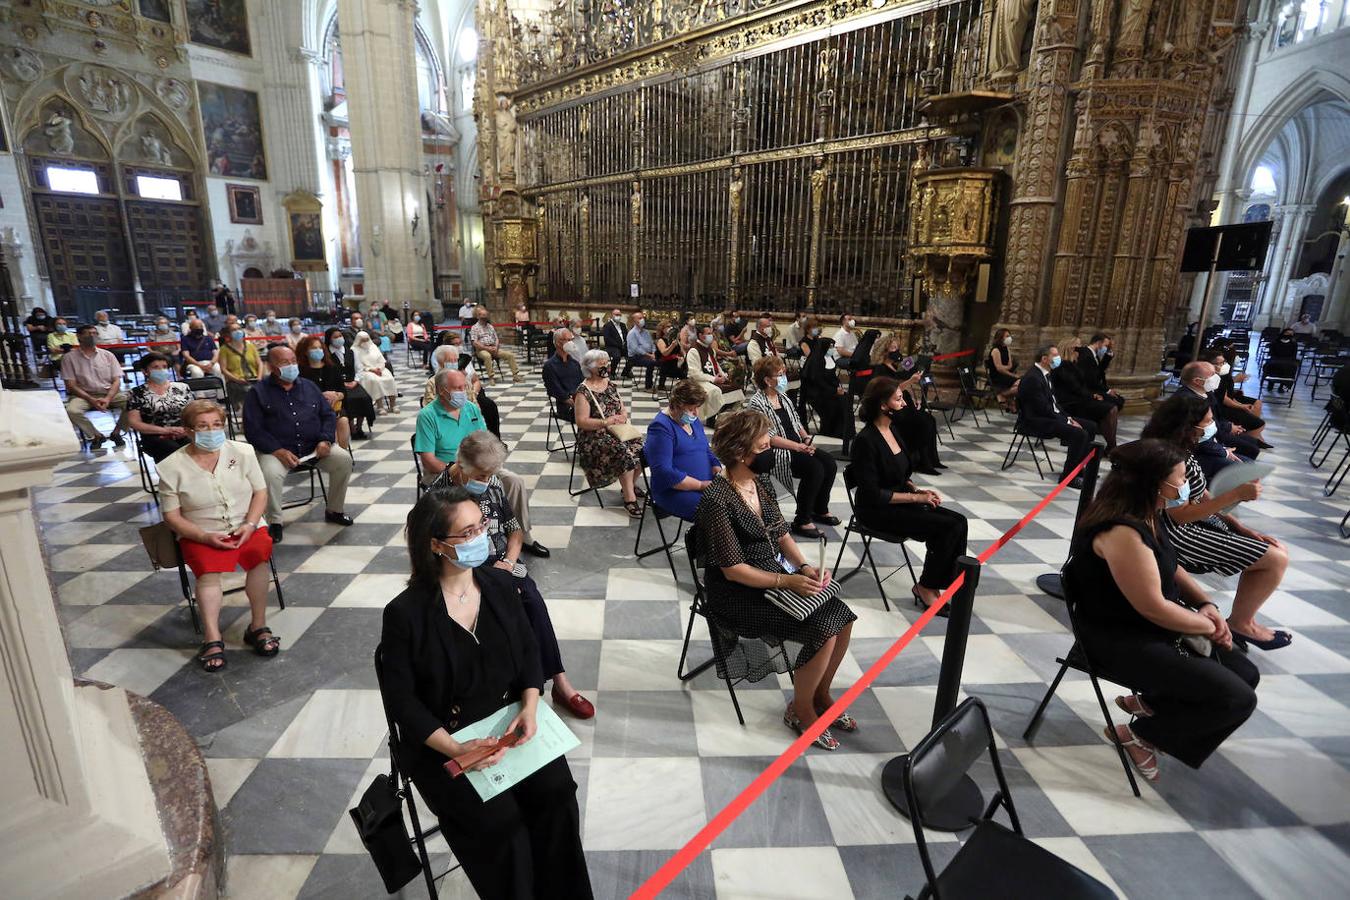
{"points": [[963, 181]]}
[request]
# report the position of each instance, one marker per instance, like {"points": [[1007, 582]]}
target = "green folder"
{"points": [[551, 740]]}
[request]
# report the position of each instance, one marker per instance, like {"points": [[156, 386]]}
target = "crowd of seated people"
{"points": [[1040, 415]]}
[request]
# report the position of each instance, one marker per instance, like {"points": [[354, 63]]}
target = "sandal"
{"points": [[634, 509], [1134, 706], [845, 722], [825, 519], [212, 662], [263, 641], [806, 530], [826, 740], [1147, 770]]}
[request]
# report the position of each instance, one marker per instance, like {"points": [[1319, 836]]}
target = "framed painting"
{"points": [[232, 126], [156, 9], [222, 24], [304, 221], [245, 204]]}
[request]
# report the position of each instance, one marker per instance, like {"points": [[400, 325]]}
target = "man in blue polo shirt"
{"points": [[443, 423]]}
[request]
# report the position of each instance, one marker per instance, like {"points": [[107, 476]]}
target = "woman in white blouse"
{"points": [[213, 496], [372, 371]]}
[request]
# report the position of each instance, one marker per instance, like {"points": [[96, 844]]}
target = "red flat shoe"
{"points": [[577, 705]]}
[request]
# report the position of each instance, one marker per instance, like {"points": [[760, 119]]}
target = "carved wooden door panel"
{"points": [[82, 238], [168, 242]]}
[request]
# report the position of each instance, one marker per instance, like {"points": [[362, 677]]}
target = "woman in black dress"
{"points": [[916, 426], [885, 499], [747, 551], [457, 647], [1282, 362], [316, 365], [356, 403], [1002, 367], [1139, 615]]}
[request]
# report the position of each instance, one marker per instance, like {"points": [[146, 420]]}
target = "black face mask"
{"points": [[763, 462], [893, 356], [196, 332], [602, 373]]}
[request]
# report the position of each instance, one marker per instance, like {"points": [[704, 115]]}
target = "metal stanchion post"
{"points": [[1049, 583], [963, 803]]}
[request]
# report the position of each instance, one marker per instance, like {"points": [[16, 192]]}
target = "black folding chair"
{"points": [[400, 777], [149, 479], [658, 514], [868, 535], [1288, 381], [1077, 659], [935, 402], [311, 468], [212, 387], [994, 861], [971, 397], [161, 545], [1020, 438], [417, 466], [555, 424]]}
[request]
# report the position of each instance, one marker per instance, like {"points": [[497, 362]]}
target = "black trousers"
{"points": [[542, 626], [492, 417], [158, 447], [1102, 413], [815, 474], [836, 415], [1241, 417], [942, 531], [422, 347], [642, 362], [1196, 702], [1079, 440], [919, 433]]}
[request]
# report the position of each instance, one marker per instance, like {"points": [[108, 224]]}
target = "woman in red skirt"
{"points": [[213, 496]]}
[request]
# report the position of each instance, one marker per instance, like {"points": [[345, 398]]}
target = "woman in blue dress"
{"points": [[677, 450]]}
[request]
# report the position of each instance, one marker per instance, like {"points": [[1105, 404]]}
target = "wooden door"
{"points": [[82, 238]]}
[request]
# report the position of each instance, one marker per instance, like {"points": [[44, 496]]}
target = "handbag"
{"points": [[625, 431], [799, 607], [378, 818]]}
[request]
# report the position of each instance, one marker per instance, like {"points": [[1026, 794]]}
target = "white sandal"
{"points": [[1133, 705], [1147, 771]]}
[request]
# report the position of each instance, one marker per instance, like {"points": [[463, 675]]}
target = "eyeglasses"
{"points": [[468, 534]]}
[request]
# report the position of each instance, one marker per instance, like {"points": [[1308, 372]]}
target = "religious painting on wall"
{"points": [[232, 126], [245, 204], [156, 9], [306, 237], [219, 23]]}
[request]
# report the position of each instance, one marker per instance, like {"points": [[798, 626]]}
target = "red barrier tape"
{"points": [[663, 876], [958, 353]]}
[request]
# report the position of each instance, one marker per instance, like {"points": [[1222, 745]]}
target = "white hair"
{"points": [[444, 355], [593, 360], [481, 451]]}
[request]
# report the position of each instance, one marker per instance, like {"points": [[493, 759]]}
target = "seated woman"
{"points": [[794, 455], [668, 350], [916, 426], [603, 456], [1078, 400], [1138, 613], [477, 464], [295, 333], [213, 497], [823, 392], [748, 552], [357, 405], [457, 647], [1233, 405], [1282, 362], [316, 365], [240, 364], [885, 499], [418, 337], [373, 373], [1207, 540], [1002, 368], [155, 408], [677, 450]]}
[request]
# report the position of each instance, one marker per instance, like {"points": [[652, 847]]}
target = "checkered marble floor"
{"points": [[292, 741]]}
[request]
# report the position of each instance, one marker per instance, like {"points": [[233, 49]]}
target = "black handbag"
{"points": [[379, 822]]}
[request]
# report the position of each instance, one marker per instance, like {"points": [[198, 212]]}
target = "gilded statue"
{"points": [[1012, 18]]}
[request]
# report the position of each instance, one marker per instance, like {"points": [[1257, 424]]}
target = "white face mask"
{"points": [[1225, 369], [1007, 341], [852, 323], [1211, 383]]}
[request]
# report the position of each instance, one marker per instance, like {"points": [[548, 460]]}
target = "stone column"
{"points": [[77, 814], [1334, 311], [381, 80], [1291, 247], [295, 140]]}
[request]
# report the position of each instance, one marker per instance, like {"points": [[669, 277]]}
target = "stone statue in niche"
{"points": [[1133, 22], [1011, 20], [155, 150], [60, 138], [104, 92], [505, 121]]}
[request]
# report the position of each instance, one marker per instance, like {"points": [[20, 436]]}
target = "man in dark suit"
{"points": [[1040, 414], [616, 341], [1092, 362], [1202, 379]]}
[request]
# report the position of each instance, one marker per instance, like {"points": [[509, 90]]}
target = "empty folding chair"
{"points": [[1021, 437], [658, 514]]}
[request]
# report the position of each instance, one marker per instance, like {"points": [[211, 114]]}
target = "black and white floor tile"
{"points": [[292, 741]]}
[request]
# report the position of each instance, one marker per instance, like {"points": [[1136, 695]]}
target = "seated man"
{"points": [[761, 341], [214, 319], [443, 424], [487, 347], [108, 333], [286, 419], [450, 355], [271, 327], [1078, 400], [641, 348], [616, 340], [59, 341], [199, 353], [93, 378], [1093, 360], [1202, 379], [1040, 415], [562, 374], [846, 341]]}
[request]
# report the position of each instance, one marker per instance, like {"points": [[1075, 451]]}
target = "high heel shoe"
{"points": [[924, 604], [826, 741]]}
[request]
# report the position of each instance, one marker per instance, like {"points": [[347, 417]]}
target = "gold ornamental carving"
{"points": [[515, 241], [954, 212]]}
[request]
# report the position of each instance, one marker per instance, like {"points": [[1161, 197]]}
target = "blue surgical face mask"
{"points": [[458, 399], [237, 335], [210, 441], [159, 376], [1055, 361], [472, 553], [1183, 495], [316, 354], [782, 383], [289, 373], [1209, 431], [60, 329], [338, 343], [688, 418], [1102, 351], [475, 487]]}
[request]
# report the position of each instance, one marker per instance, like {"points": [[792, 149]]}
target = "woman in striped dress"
{"points": [[1207, 540]]}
